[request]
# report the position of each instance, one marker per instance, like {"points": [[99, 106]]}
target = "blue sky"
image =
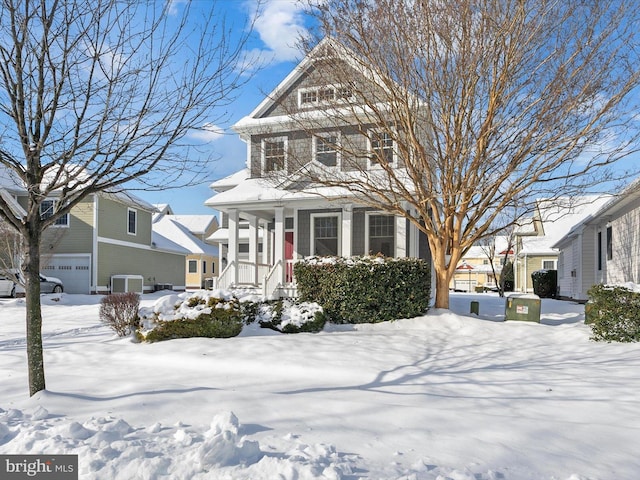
{"points": [[273, 42]]}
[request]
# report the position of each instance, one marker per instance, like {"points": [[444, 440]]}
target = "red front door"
{"points": [[288, 255]]}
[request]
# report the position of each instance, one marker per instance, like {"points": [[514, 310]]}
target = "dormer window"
{"points": [[324, 95]]}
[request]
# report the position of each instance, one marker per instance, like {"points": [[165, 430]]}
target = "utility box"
{"points": [[127, 283], [524, 307]]}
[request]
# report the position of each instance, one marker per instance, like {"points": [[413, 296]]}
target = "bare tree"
{"points": [[475, 105], [97, 94]]}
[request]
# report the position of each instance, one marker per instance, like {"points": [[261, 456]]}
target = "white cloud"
{"points": [[172, 6], [207, 133], [280, 25]]}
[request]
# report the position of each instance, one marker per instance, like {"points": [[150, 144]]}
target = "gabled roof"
{"points": [[196, 224], [169, 233], [558, 216], [614, 202], [294, 76], [230, 181], [256, 119]]}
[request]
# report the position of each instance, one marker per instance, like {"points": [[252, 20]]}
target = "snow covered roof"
{"points": [[259, 191], [9, 180], [630, 193], [172, 234], [558, 216], [221, 235], [196, 224], [230, 181]]}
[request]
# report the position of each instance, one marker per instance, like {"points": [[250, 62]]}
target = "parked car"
{"points": [[9, 288], [50, 285]]}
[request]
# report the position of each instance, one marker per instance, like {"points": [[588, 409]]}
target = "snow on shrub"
{"points": [[289, 316], [205, 313]]}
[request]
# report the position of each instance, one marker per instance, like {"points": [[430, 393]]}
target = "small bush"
{"points": [[614, 314], [288, 316], [120, 312], [365, 289], [195, 316]]}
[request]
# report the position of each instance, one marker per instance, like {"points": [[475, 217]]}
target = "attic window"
{"points": [[323, 95]]}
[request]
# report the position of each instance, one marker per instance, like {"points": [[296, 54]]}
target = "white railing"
{"points": [[288, 271], [224, 280], [247, 274], [272, 281]]}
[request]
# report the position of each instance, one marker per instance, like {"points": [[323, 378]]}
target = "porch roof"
{"points": [[258, 193]]}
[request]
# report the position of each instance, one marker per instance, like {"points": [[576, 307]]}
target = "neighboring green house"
{"points": [[106, 243]]}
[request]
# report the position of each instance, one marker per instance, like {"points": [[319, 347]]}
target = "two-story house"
{"points": [[272, 215], [106, 243]]}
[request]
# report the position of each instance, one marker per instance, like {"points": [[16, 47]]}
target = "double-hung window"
{"points": [[326, 150], [381, 238], [48, 208], [325, 238], [274, 154], [382, 148]]}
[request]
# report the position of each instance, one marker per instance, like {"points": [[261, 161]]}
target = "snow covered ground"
{"points": [[445, 396]]}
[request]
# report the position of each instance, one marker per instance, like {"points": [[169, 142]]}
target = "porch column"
{"points": [[265, 242], [278, 247], [232, 253], [401, 237], [414, 240], [346, 233], [253, 247]]}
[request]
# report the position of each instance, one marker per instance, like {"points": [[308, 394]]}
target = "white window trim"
{"points": [[312, 235], [263, 160], [375, 165], [555, 263], [66, 215], [314, 148], [129, 210], [318, 102], [367, 216]]}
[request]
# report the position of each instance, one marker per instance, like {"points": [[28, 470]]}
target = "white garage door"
{"points": [[73, 270]]}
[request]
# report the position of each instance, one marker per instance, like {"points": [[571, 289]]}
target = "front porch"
{"points": [[257, 251]]}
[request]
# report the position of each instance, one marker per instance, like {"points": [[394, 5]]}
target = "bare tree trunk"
{"points": [[442, 289], [35, 357]]}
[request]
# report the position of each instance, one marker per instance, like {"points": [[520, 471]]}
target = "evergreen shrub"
{"points": [[365, 289], [614, 314], [211, 318], [545, 283], [290, 316]]}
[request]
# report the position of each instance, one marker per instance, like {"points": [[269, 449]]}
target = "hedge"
{"points": [[365, 289], [614, 314]]}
